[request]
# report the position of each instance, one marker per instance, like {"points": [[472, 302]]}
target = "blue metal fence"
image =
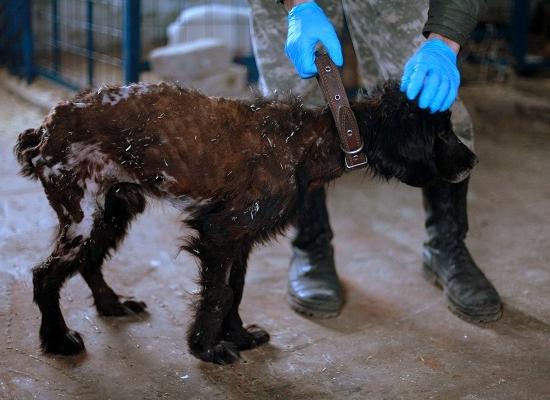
{"points": [[83, 43], [78, 43]]}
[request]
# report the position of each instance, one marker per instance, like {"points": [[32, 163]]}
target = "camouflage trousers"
{"points": [[385, 33]]}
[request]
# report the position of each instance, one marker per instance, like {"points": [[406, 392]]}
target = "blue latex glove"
{"points": [[432, 72], [308, 25]]}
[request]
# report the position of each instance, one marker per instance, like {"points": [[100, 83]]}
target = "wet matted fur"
{"points": [[239, 168]]}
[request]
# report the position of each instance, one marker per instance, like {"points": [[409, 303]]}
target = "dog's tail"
{"points": [[26, 149]]}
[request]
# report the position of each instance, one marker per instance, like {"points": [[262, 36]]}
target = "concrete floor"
{"points": [[395, 338]]}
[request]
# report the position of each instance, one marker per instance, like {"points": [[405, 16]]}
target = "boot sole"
{"points": [[455, 307], [308, 310]]}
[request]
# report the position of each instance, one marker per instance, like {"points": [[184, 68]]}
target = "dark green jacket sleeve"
{"points": [[455, 19]]}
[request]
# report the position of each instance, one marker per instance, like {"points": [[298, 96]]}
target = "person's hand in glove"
{"points": [[432, 73], [307, 26]]}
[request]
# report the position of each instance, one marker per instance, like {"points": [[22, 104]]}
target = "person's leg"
{"points": [[313, 285], [314, 288], [385, 33], [446, 259]]}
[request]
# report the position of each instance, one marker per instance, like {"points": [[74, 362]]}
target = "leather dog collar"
{"points": [[333, 89]]}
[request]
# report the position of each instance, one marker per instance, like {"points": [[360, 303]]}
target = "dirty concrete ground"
{"points": [[395, 338]]}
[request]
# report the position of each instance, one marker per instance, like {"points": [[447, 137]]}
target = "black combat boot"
{"points": [[447, 261], [313, 285]]}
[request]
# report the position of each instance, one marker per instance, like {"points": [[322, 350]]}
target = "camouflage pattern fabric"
{"points": [[385, 33]]}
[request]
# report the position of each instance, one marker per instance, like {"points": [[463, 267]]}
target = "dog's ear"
{"points": [[453, 159]]}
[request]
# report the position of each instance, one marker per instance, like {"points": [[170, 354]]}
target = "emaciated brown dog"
{"points": [[238, 167]]}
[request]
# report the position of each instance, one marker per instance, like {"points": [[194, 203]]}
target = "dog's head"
{"points": [[408, 143]]}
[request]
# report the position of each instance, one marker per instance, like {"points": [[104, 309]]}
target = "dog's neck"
{"points": [[323, 158]]}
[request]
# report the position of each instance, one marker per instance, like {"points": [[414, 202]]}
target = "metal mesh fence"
{"points": [[80, 43]]}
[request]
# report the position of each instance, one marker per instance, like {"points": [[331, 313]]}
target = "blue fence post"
{"points": [[132, 40], [14, 56], [19, 40], [520, 41], [56, 56], [27, 40], [90, 41], [520, 30]]}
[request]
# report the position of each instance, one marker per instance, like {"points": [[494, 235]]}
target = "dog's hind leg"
{"points": [[123, 202], [76, 207], [48, 277], [85, 235], [233, 331]]}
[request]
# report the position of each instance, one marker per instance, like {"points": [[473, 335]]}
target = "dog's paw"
{"points": [[260, 335], [221, 353], [64, 343], [247, 338], [121, 309]]}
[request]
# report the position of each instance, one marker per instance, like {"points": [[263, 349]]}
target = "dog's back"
{"points": [[166, 138]]}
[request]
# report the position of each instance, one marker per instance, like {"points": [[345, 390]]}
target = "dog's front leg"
{"points": [[251, 336], [215, 252]]}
